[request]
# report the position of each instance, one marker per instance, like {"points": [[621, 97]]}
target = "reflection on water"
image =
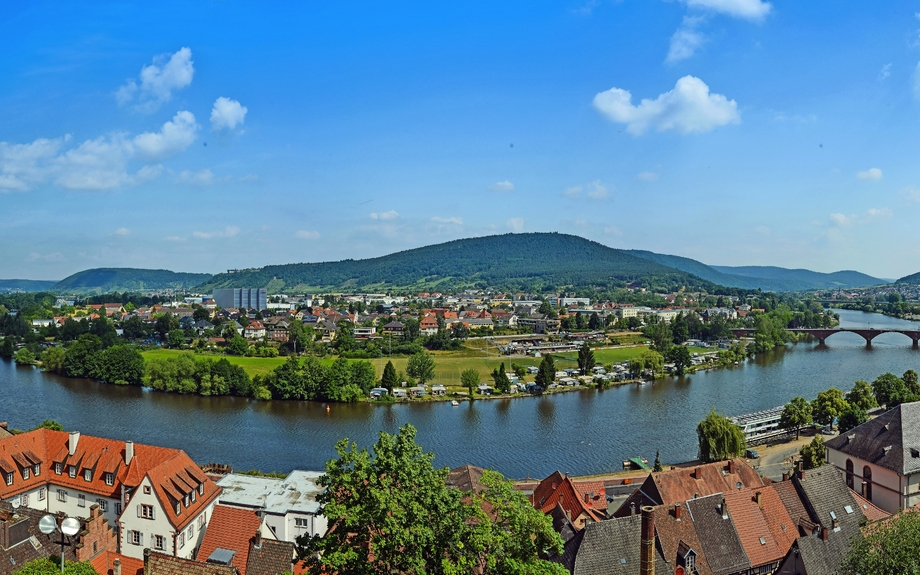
{"points": [[582, 432]]}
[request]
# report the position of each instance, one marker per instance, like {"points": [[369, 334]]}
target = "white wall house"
{"points": [[156, 497], [288, 505], [881, 458]]}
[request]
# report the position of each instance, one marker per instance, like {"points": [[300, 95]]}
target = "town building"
{"points": [[254, 298]]}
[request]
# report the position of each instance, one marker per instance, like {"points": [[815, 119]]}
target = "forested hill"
{"points": [[911, 279], [764, 277], [108, 280], [26, 285], [533, 261]]}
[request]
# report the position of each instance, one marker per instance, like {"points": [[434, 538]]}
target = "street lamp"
{"points": [[69, 526]]}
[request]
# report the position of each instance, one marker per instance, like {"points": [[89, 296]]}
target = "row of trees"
{"points": [[89, 357], [186, 374], [309, 379]]}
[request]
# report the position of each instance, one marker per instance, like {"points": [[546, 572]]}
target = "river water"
{"points": [[583, 432]]}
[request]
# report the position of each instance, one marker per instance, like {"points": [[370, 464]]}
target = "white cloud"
{"points": [[838, 220], [878, 214], [762, 230], [613, 231], [884, 73], [388, 215], [689, 107], [248, 178], [454, 220], [227, 113], [647, 177], [504, 186], [572, 192], [872, 174], [911, 193], [122, 232], [748, 9], [227, 232], [174, 137], [203, 177], [841, 220], [686, 40], [597, 190], [52, 257], [22, 165], [307, 235], [174, 239], [581, 224], [159, 80], [588, 8], [515, 224], [99, 164]]}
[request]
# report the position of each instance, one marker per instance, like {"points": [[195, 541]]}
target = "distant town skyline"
{"points": [[203, 137]]}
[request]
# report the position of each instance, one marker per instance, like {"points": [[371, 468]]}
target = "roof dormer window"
{"points": [[9, 478], [73, 471], [58, 468], [201, 489], [87, 474], [25, 473], [193, 496], [186, 501], [178, 508], [37, 469]]}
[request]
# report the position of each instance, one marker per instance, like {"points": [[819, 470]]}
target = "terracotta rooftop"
{"points": [[104, 564], [161, 564], [560, 489], [233, 529]]}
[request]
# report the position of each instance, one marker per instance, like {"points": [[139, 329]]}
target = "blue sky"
{"points": [[213, 135]]}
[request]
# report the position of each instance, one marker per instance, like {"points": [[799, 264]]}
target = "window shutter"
{"points": [[138, 510], [141, 535], [153, 511]]}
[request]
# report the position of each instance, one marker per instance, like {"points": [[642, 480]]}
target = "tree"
{"points": [[658, 466], [910, 379], [891, 391], [594, 323], [421, 367], [6, 348], [46, 566], [53, 359], [796, 415], [24, 356], [459, 331], [851, 417], [813, 453], [166, 323], [175, 338], [660, 334], [237, 346], [679, 355], [862, 396], [719, 438], [648, 360], [500, 378], [470, 380], [50, 424], [391, 512], [201, 313], [828, 406], [886, 547], [389, 379], [546, 373], [586, 360]]}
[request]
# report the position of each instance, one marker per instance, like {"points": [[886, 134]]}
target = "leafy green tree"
{"points": [[680, 329], [586, 361], [389, 379], [546, 373], [83, 356], [891, 391], [201, 313], [910, 379], [46, 566], [500, 378], [594, 323], [796, 415], [53, 359], [459, 331], [851, 417], [862, 396], [165, 324], [828, 406], [886, 547], [679, 355], [813, 453], [421, 367], [648, 360], [50, 424], [719, 438], [24, 356], [175, 338], [6, 347], [363, 375], [121, 364], [469, 378], [132, 328], [547, 309], [660, 334], [237, 346]]}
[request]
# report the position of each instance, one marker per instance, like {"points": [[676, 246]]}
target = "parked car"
{"points": [[751, 454]]}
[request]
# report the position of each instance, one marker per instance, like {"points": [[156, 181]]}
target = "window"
{"points": [[37, 469], [136, 537], [81, 500], [146, 511], [9, 478], [103, 504], [25, 472], [193, 496], [146, 490], [302, 523], [58, 468], [178, 508], [191, 532], [182, 540], [867, 479], [73, 471], [87, 474], [201, 489], [24, 499], [690, 562], [850, 473], [118, 509], [200, 521], [62, 495], [186, 501], [41, 494], [159, 542], [109, 479]]}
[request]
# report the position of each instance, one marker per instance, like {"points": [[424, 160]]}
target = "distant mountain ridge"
{"points": [[26, 285], [911, 279], [108, 280], [525, 262]]}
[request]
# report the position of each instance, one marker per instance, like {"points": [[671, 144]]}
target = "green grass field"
{"points": [[448, 365]]}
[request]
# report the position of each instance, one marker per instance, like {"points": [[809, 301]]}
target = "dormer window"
{"points": [[9, 478], [178, 508], [25, 472], [37, 469], [186, 501], [73, 471], [109, 479], [193, 496], [87, 474], [201, 489], [58, 468]]}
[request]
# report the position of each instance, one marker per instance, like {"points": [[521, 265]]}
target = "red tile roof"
{"points": [[105, 561], [233, 529], [761, 542], [870, 511], [560, 489]]}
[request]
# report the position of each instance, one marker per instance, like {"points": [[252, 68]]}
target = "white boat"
{"points": [[455, 402]]}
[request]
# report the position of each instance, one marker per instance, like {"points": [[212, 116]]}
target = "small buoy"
{"points": [[328, 409]]}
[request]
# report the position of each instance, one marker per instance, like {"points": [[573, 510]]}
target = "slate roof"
{"points": [[891, 440], [675, 535], [270, 558], [233, 529], [466, 478], [612, 548], [14, 556], [684, 483], [161, 564], [717, 533]]}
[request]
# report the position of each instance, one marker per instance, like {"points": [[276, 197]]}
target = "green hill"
{"points": [[107, 280], [533, 261], [26, 285], [911, 279]]}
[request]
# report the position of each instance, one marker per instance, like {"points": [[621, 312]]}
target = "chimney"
{"points": [[72, 442], [801, 469], [568, 514], [116, 567], [731, 466], [4, 425], [824, 533], [129, 452], [785, 476], [647, 551], [632, 507], [834, 524], [677, 511], [258, 542], [698, 473], [586, 498], [759, 499], [724, 509]]}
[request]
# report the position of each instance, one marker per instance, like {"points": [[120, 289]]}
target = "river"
{"points": [[583, 432]]}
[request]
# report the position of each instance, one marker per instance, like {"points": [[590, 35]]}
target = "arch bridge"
{"points": [[822, 334]]}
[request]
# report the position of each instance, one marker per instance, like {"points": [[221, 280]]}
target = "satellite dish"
{"points": [[70, 526], [15, 503], [47, 524]]}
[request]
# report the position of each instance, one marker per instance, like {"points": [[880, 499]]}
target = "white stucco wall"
{"points": [[886, 484]]}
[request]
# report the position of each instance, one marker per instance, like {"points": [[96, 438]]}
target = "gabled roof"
{"points": [[676, 536], [162, 564], [766, 531], [104, 564], [613, 547], [466, 478], [718, 534], [230, 528], [869, 510], [560, 489], [891, 440], [270, 557]]}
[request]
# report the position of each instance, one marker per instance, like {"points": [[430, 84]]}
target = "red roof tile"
{"points": [[105, 561], [233, 529]]}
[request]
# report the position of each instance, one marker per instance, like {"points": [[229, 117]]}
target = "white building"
{"points": [[157, 497], [289, 505]]}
